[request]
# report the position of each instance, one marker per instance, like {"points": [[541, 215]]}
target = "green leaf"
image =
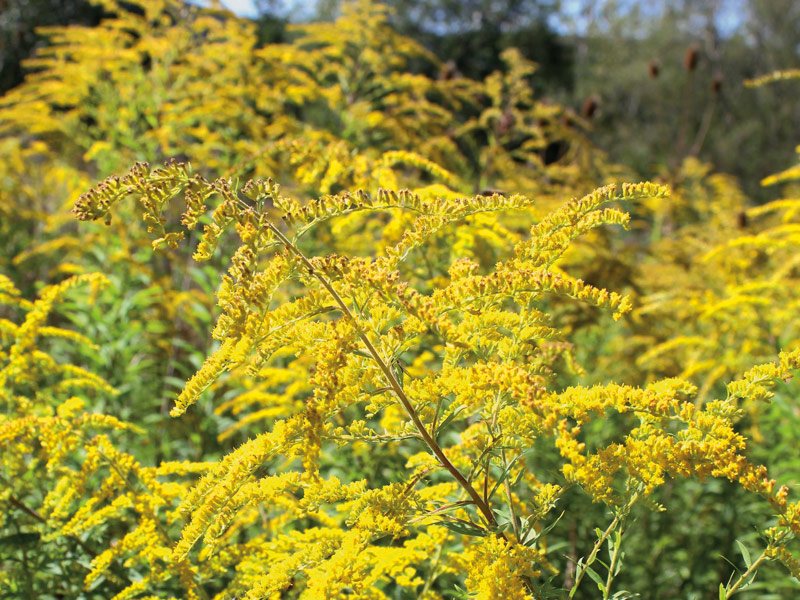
{"points": [[618, 566], [501, 527], [745, 553], [544, 531], [97, 583], [462, 528], [399, 373], [448, 420], [723, 591], [453, 506], [506, 472], [18, 539], [596, 578]]}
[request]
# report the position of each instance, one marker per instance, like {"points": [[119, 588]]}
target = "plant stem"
{"points": [[432, 575], [752, 569], [617, 519], [394, 384], [509, 498], [746, 574], [598, 544], [14, 501], [612, 566]]}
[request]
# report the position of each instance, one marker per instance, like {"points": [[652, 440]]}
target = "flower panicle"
{"points": [[553, 234]]}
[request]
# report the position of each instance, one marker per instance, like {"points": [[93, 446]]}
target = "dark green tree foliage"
{"points": [[18, 22], [666, 82], [472, 34], [271, 29]]}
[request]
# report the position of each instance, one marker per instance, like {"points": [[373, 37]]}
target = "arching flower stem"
{"points": [[393, 383]]}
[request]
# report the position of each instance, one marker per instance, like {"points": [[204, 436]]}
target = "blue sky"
{"points": [[728, 18], [246, 8]]}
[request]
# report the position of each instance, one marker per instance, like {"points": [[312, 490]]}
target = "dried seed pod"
{"points": [[716, 83], [590, 106], [653, 69], [691, 57]]}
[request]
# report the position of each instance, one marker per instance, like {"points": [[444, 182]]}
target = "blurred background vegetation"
{"points": [[623, 64], [660, 80]]}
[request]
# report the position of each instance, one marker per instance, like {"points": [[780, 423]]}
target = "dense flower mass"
{"points": [[403, 386], [354, 317]]}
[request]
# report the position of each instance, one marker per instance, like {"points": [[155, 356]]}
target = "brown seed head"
{"points": [[716, 83], [653, 69], [590, 106], [691, 57]]}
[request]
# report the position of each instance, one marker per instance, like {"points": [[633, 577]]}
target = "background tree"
{"points": [[470, 34], [622, 63], [18, 22], [668, 82]]}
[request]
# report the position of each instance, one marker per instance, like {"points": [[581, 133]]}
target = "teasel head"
{"points": [[716, 83], [590, 106], [691, 57]]}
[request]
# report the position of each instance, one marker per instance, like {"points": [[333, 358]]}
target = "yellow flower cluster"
{"points": [[498, 569], [401, 357], [498, 347], [470, 316], [775, 76]]}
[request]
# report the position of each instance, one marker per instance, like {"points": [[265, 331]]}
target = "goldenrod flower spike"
{"points": [[355, 349], [780, 75]]}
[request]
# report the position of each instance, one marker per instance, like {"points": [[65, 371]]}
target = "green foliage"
{"points": [[656, 112]]}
